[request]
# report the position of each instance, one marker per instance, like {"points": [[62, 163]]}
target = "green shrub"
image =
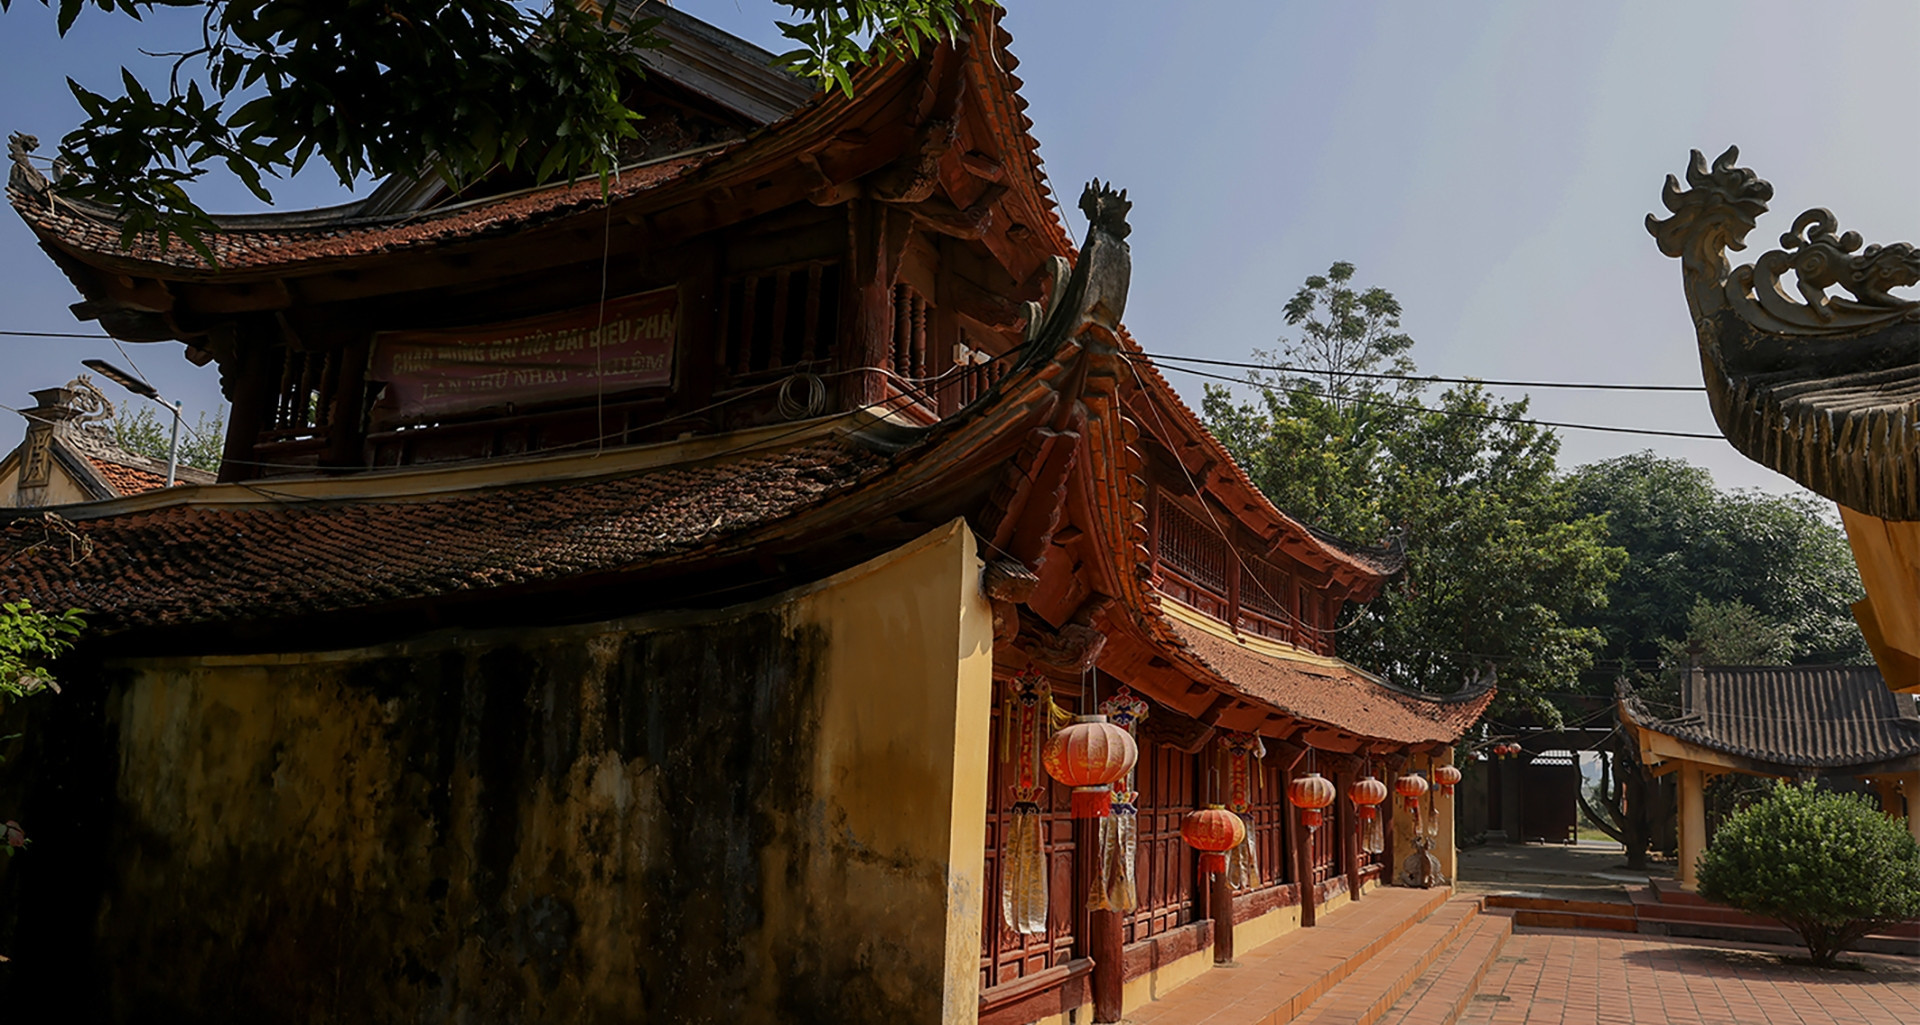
{"points": [[1830, 866]]}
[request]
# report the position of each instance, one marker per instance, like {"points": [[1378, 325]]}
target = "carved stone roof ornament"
{"points": [[1822, 388]]}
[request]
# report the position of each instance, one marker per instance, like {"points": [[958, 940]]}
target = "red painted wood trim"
{"points": [[1056, 989]]}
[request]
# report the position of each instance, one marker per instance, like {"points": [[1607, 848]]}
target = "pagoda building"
{"points": [[652, 604]]}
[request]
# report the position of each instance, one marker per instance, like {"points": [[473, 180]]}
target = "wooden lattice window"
{"points": [[781, 319], [303, 397], [1264, 591], [1194, 549]]}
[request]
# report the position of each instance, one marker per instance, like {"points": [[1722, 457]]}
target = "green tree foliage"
{"points": [[1705, 565], [29, 641], [1828, 865], [1500, 565], [146, 433], [381, 87]]}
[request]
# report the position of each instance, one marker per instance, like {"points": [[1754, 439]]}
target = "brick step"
{"points": [[1276, 981], [1700, 912], [1624, 922], [1440, 996], [1582, 907], [1669, 891], [1366, 995]]}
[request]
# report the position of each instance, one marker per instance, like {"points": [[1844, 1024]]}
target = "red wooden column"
{"points": [[1108, 978], [1349, 826], [1222, 919], [1297, 839]]}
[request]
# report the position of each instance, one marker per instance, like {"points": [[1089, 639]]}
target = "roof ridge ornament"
{"points": [[1721, 206], [1094, 294]]}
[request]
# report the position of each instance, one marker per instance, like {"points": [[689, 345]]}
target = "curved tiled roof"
{"points": [[1799, 717], [256, 242], [194, 562], [1335, 693]]}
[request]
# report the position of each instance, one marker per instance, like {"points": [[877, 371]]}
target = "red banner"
{"points": [[564, 355]]}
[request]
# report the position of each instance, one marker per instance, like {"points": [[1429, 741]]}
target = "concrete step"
{"points": [[1366, 995], [1517, 902], [1440, 995]]}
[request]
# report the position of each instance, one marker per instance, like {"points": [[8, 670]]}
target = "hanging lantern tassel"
{"points": [[1310, 793], [1446, 776], [1413, 787], [1023, 878], [1213, 831], [1243, 752], [1367, 794], [1112, 887], [1090, 756]]}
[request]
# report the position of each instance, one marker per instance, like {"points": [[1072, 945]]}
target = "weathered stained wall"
{"points": [[772, 813]]}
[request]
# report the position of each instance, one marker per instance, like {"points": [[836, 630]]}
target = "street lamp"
{"points": [[140, 387]]}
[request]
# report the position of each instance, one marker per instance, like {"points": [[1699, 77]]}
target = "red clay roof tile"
{"points": [[197, 564], [1335, 695]]}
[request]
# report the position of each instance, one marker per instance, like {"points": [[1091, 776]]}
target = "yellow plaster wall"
{"points": [[60, 490], [526, 826], [904, 740]]}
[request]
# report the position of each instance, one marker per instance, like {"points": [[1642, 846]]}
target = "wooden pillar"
{"points": [[247, 379], [1349, 826], [1693, 821], [1445, 843], [1298, 839], [1222, 919], [1389, 835], [1103, 935], [878, 242]]}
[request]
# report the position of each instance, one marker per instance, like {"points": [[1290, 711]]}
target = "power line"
{"points": [[54, 334], [1412, 407], [1421, 378]]}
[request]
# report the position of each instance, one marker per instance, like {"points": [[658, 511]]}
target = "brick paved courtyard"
{"points": [[1570, 978]]}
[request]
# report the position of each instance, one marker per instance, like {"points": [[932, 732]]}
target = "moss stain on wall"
{"points": [[744, 818]]}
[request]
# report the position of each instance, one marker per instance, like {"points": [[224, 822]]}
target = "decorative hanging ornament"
{"points": [[1243, 752], [1213, 831], [1090, 756], [1366, 794], [1411, 786], [1027, 720], [1112, 886], [1310, 793], [1445, 776]]}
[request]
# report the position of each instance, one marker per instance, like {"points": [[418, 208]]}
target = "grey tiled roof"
{"points": [[1809, 717]]}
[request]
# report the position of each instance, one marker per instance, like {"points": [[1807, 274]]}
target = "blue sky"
{"points": [[1489, 162]]}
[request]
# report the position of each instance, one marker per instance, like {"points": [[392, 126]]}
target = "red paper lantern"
{"points": [[1367, 793], [1213, 831], [1411, 786], [1446, 776], [1089, 756], [1310, 793]]}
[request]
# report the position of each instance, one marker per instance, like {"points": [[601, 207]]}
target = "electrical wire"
{"points": [[1419, 378], [1494, 417]]}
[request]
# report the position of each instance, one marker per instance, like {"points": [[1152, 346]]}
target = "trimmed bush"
{"points": [[1830, 866]]}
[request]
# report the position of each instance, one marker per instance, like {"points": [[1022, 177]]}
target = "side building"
{"points": [[649, 607]]}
